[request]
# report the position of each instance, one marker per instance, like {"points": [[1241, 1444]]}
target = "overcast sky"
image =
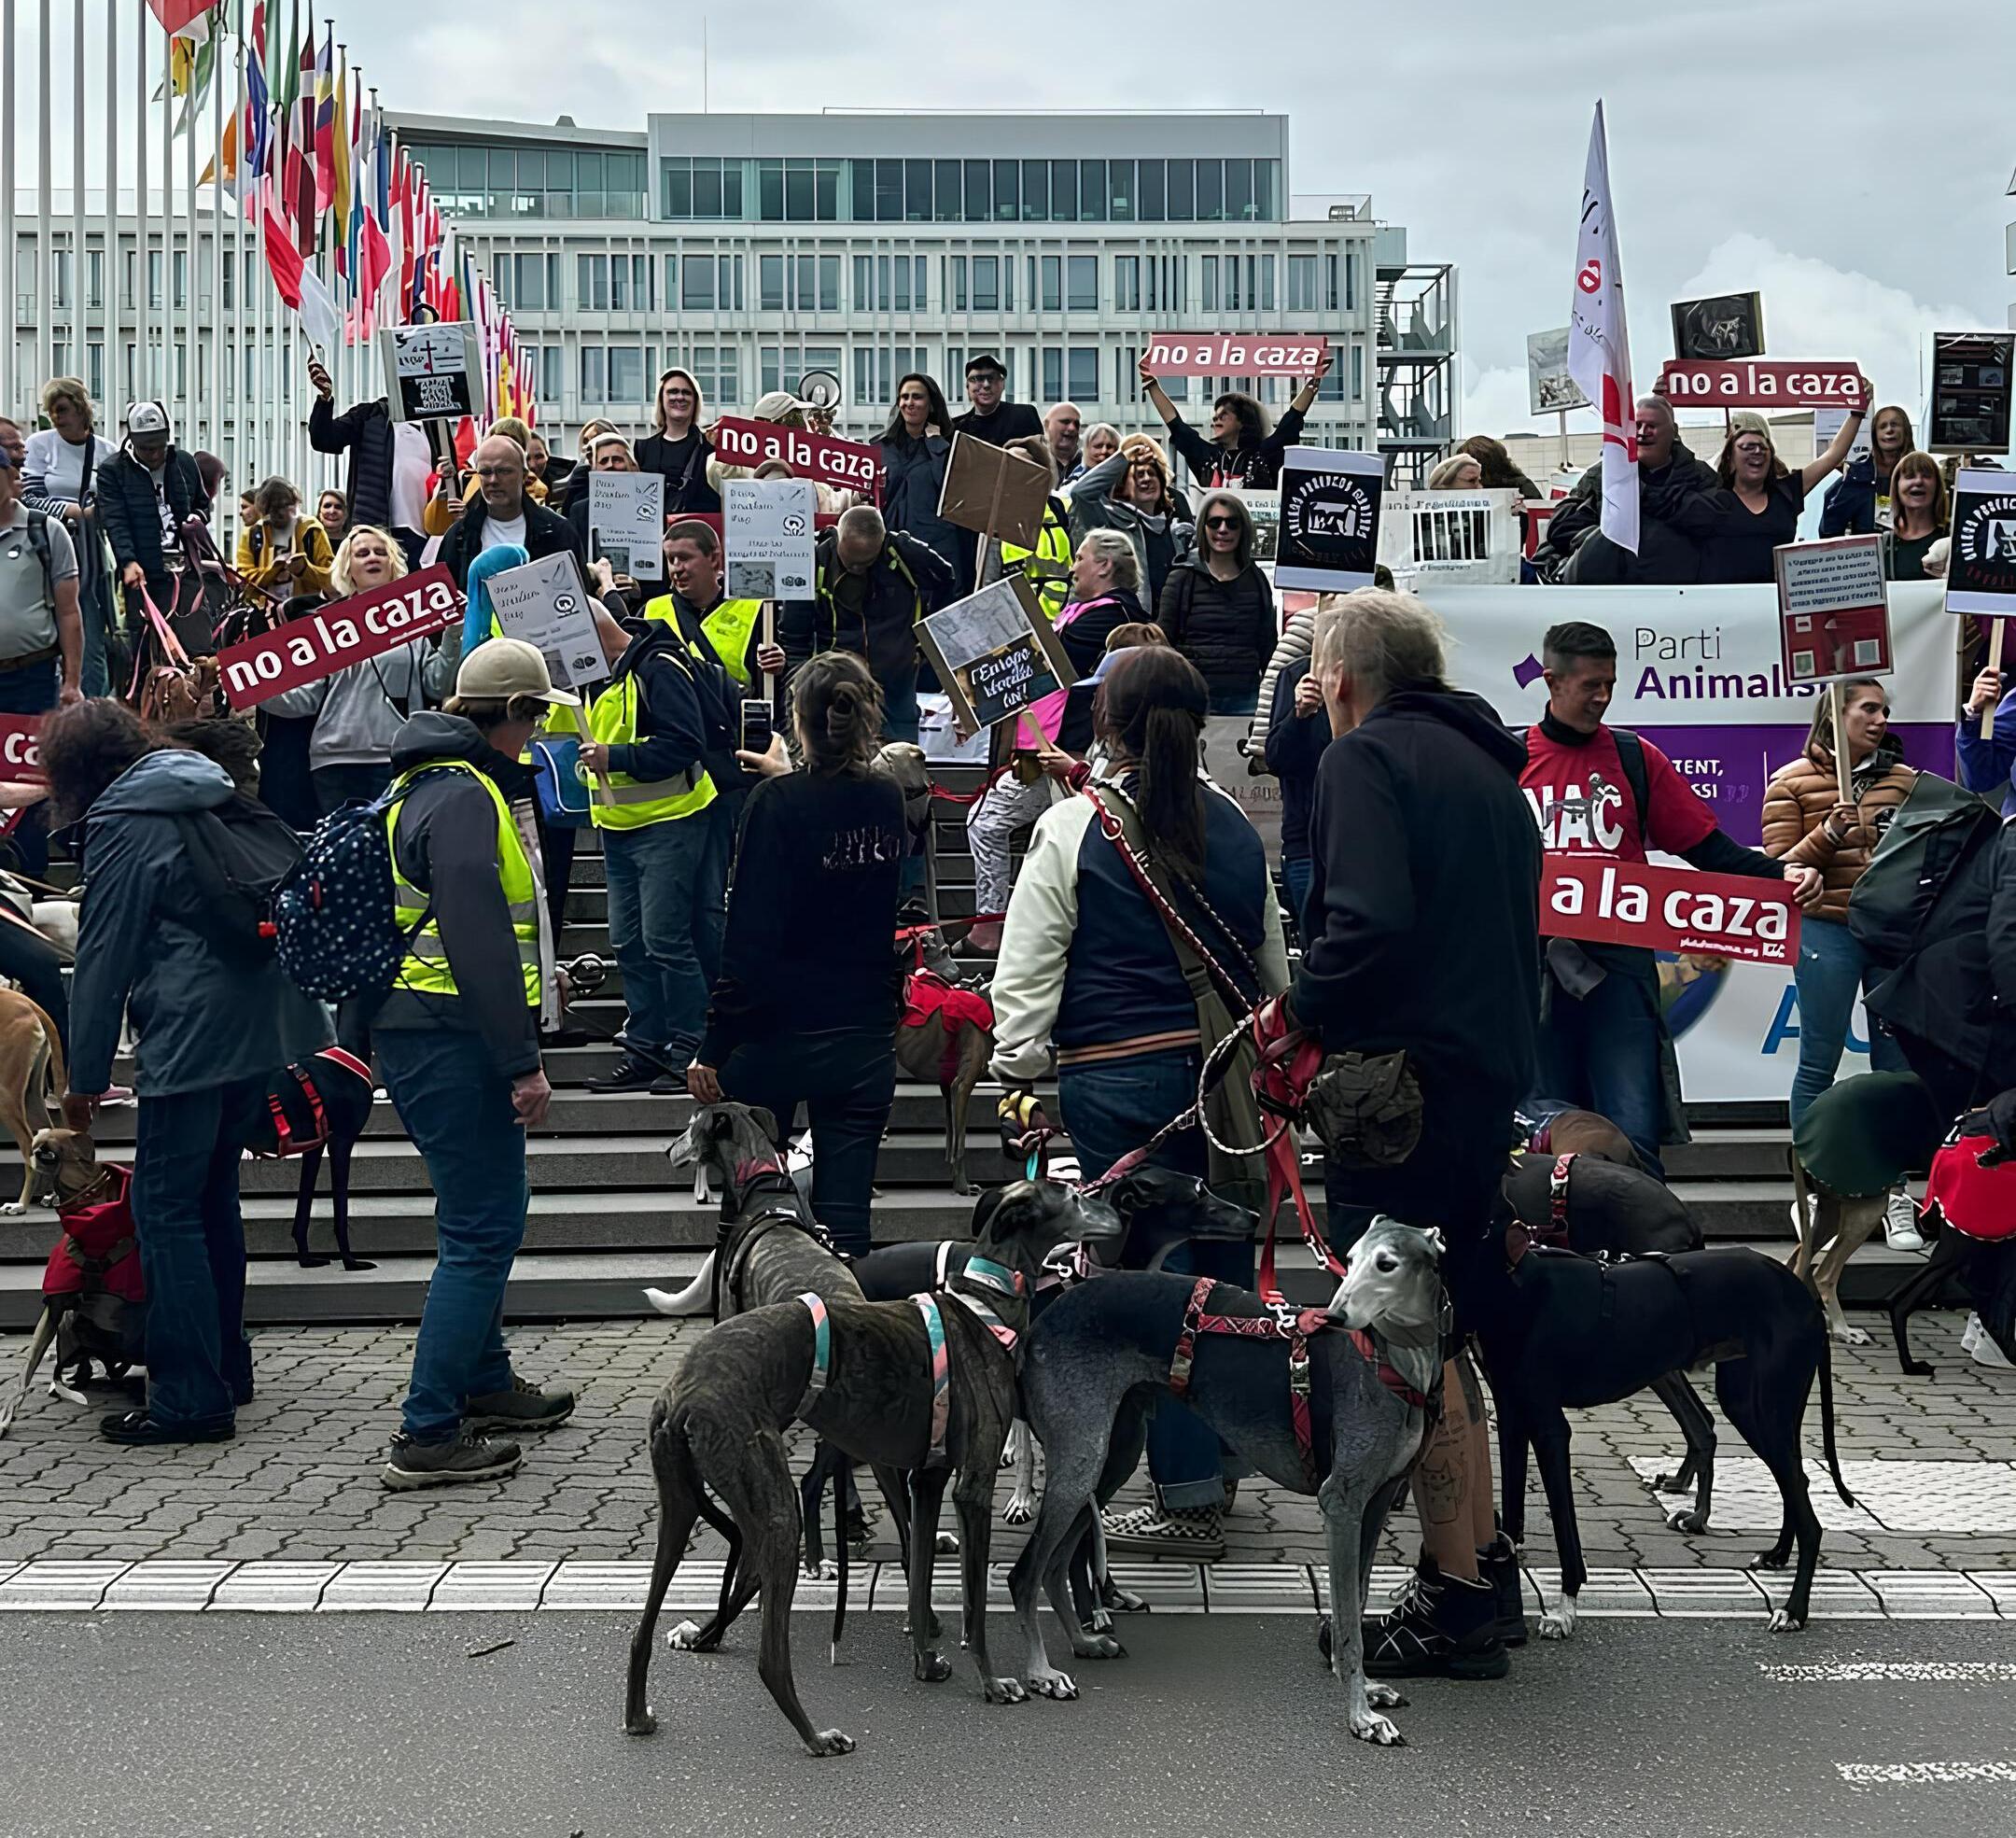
{"points": [[1849, 158]]}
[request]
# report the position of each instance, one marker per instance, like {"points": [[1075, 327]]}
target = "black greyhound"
{"points": [[321, 1103]]}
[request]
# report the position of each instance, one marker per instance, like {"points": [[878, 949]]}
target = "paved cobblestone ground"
{"points": [[301, 1480]]}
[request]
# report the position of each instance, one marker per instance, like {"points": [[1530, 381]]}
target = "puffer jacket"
{"points": [[1227, 628], [914, 475], [1796, 806]]}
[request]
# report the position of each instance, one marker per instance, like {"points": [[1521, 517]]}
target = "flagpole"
{"points": [[244, 433], [192, 393], [79, 297], [110, 389], [168, 390], [44, 229], [7, 188]]}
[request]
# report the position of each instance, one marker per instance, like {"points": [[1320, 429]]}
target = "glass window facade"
{"points": [[519, 181]]}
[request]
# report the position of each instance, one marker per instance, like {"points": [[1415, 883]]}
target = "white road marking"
{"points": [[1923, 1774], [1950, 1497], [1899, 1671]]}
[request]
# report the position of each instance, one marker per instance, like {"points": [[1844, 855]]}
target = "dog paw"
{"points": [[825, 1571], [829, 1742], [1058, 1685], [1773, 1558], [931, 1668], [1371, 1727], [1687, 1519], [1121, 1601], [1849, 1335], [1782, 1621], [1556, 1627], [12, 1208], [1004, 1690], [1019, 1510], [1098, 1647], [685, 1638], [1384, 1697], [1099, 1620], [947, 1544], [645, 1723]]}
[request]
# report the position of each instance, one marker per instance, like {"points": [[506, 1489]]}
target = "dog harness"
{"points": [[1295, 1326], [941, 1376], [821, 1350], [285, 1140]]}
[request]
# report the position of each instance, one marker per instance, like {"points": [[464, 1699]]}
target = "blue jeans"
{"points": [[1831, 968], [1296, 872], [900, 708], [192, 1251], [1601, 1054], [1109, 1110], [456, 1107], [667, 883]]}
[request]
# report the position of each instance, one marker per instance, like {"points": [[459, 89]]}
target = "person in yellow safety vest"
{"points": [[732, 630], [457, 1039], [1047, 566], [665, 856]]}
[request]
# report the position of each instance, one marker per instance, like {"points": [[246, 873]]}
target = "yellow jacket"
{"points": [[265, 562]]}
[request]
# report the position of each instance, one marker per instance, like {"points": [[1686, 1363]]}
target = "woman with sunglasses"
{"points": [[1218, 608], [1757, 508]]}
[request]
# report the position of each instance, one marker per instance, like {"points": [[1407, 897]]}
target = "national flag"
{"points": [[177, 16], [259, 103], [1599, 348], [303, 193], [282, 260], [376, 257], [325, 120], [320, 317], [343, 150]]}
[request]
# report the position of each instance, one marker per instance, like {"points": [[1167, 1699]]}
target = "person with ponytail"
{"points": [[1091, 980], [805, 1007]]}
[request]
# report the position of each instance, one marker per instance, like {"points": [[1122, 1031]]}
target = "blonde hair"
{"points": [[1382, 640], [591, 432], [657, 406], [1443, 476], [513, 428], [61, 389], [1113, 547], [340, 576]]}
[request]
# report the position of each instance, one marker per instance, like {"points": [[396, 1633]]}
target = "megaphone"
{"points": [[820, 388]]}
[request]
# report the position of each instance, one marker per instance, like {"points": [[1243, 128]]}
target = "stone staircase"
{"points": [[608, 1215]]}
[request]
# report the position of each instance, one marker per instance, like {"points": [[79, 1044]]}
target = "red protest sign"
{"points": [[20, 748], [1605, 902], [1833, 612], [1762, 383], [846, 464], [1235, 353], [333, 636]]}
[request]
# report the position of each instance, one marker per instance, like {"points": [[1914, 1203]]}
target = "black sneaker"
{"points": [[1439, 1629], [525, 1406], [1498, 1564], [669, 1084], [553, 1037], [629, 1073], [465, 1457]]}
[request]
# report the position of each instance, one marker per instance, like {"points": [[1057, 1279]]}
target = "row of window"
{"points": [[900, 284], [536, 181], [165, 280], [63, 361], [707, 189]]}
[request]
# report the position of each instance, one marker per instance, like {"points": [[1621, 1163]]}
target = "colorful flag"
{"points": [[325, 120], [343, 150], [305, 191], [1599, 349], [177, 16], [282, 260], [259, 103]]}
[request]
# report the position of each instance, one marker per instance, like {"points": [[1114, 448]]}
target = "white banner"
{"points": [[1467, 536], [1698, 674]]}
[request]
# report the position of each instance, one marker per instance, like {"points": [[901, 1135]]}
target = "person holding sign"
{"points": [[1859, 501], [1757, 508], [1807, 820], [503, 511], [1242, 450], [611, 453]]}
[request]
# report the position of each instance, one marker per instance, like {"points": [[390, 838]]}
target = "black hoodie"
{"points": [[445, 843], [1425, 895]]}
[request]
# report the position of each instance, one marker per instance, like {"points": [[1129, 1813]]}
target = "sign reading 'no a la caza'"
{"points": [[1329, 519]]}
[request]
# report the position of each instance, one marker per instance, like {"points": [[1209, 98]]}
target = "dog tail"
{"points": [[841, 1470], [55, 1075], [697, 1297], [1827, 1420]]}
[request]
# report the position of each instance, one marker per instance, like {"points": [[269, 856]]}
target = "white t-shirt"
{"points": [[412, 474], [498, 533], [171, 535]]}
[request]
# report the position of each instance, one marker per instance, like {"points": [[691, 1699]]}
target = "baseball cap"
{"points": [[984, 360], [775, 404], [147, 421], [500, 668]]}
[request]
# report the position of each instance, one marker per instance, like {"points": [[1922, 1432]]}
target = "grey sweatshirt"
{"points": [[357, 716]]}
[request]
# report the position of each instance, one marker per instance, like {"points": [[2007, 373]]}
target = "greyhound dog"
{"points": [[31, 1079], [1105, 1348], [1570, 1332], [925, 1385], [944, 1037], [1548, 1127], [321, 1103]]}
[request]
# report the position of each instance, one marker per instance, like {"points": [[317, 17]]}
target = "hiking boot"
{"points": [[465, 1457], [1190, 1534], [1900, 1222], [1498, 1564], [629, 1073], [1440, 1628], [137, 1430], [525, 1406]]}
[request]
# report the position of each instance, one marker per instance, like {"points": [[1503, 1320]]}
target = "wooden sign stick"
{"points": [[769, 637], [1995, 662]]}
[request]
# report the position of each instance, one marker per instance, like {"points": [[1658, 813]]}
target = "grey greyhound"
{"points": [[882, 1384], [1100, 1352]]}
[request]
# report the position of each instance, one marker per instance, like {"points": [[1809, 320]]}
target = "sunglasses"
{"points": [[1221, 522]]}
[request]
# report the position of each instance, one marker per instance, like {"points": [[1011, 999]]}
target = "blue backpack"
{"points": [[334, 931]]}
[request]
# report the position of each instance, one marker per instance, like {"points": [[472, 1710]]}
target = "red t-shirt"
{"points": [[1583, 803]]}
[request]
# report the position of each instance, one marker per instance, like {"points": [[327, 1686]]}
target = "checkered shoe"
{"points": [[1188, 1534]]}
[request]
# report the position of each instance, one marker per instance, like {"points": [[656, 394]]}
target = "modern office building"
{"points": [[751, 248]]}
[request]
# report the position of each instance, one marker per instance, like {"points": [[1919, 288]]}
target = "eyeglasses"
{"points": [[1221, 522]]}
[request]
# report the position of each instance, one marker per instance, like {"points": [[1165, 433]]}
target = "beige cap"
{"points": [[775, 404], [499, 669]]}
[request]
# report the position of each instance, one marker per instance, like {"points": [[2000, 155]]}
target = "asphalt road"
{"points": [[326, 1726]]}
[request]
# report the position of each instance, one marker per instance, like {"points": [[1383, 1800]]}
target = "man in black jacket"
{"points": [[1575, 549], [456, 1039], [366, 432], [500, 513], [874, 585], [1423, 910], [146, 492], [991, 418]]}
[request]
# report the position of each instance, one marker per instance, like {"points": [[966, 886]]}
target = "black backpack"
{"points": [[239, 852], [1931, 875]]}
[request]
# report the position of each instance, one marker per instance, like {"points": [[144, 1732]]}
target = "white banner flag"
{"points": [[1599, 348]]}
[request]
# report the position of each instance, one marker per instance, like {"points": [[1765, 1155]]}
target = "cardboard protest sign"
{"points": [[995, 653], [546, 604], [626, 520], [1722, 327], [1458, 535], [848, 465], [995, 492], [333, 638], [432, 373], [1549, 387], [1970, 392], [1828, 423], [1833, 610], [1980, 575], [1330, 518], [1235, 353], [1603, 901], [21, 750], [767, 532], [1762, 384]]}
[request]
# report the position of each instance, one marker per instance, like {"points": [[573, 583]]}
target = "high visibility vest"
{"points": [[891, 558], [633, 803], [1047, 568], [726, 629], [425, 969]]}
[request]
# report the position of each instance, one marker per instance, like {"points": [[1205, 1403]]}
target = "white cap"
{"points": [[146, 420]]}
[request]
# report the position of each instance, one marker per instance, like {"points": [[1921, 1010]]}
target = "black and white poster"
{"points": [[431, 371], [1329, 519], [1724, 325], [1970, 392], [1981, 576]]}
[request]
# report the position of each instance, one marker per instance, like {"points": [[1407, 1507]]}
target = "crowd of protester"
{"points": [[715, 850]]}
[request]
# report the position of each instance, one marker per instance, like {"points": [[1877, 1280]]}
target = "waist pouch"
{"points": [[562, 795], [1367, 1108]]}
